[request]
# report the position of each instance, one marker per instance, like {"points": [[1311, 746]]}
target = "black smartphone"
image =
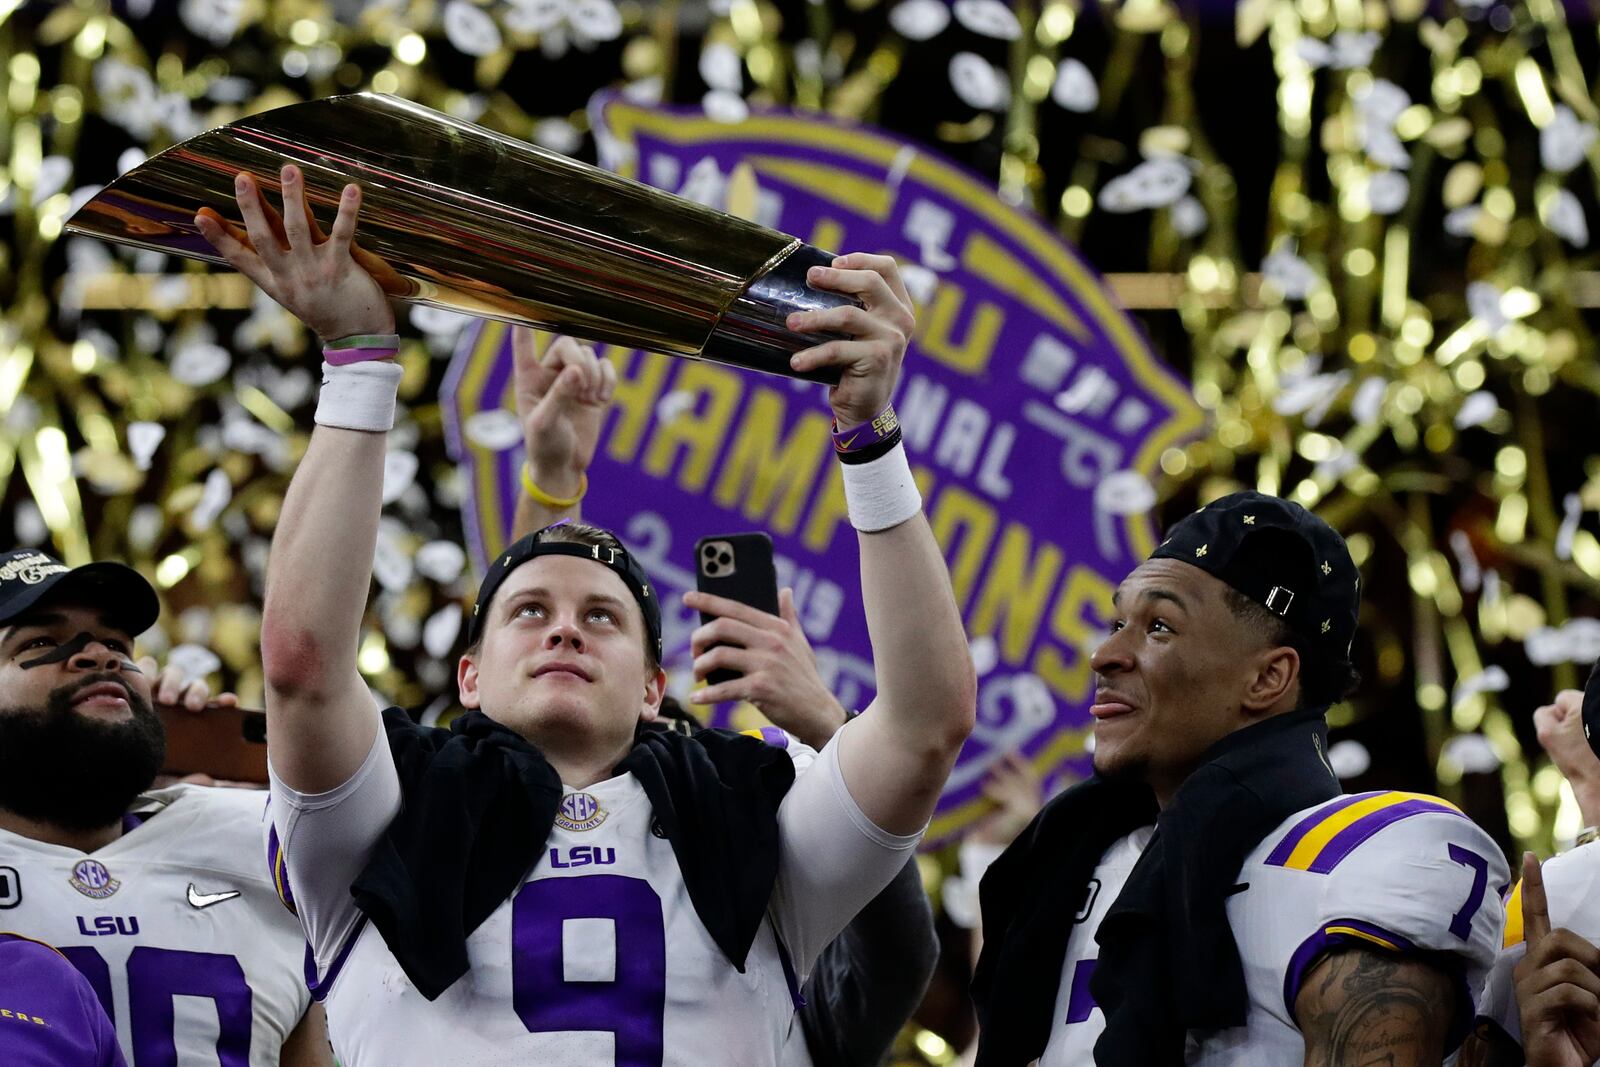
{"points": [[739, 567]]}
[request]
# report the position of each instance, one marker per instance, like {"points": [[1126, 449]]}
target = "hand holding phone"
{"points": [[738, 567], [224, 741]]}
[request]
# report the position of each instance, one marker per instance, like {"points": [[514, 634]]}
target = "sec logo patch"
{"points": [[93, 879], [580, 811]]}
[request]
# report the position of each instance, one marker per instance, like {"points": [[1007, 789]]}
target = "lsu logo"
{"points": [[92, 879], [108, 925], [582, 856], [580, 811]]}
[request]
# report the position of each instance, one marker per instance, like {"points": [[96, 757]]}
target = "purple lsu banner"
{"points": [[1034, 414]]}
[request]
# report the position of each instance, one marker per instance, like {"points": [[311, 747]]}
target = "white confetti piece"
{"points": [[721, 67], [1189, 217], [1564, 217], [195, 661], [1477, 409], [919, 20], [1124, 492], [1289, 274], [1387, 192], [145, 526], [214, 497], [988, 18], [497, 429], [1349, 759], [1075, 87], [199, 363], [439, 632], [1564, 141], [723, 106], [1367, 406], [399, 472], [143, 439], [28, 525], [470, 29], [977, 83], [1153, 183], [441, 561]]}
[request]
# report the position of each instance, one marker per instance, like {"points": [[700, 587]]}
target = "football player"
{"points": [[869, 979], [158, 897], [51, 1017], [1224, 904], [1541, 1004], [537, 884]]}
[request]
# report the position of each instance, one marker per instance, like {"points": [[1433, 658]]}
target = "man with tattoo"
{"points": [[1208, 897], [1541, 1004]]}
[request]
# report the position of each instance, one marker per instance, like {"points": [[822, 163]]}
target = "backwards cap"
{"points": [[615, 559], [1281, 556]]}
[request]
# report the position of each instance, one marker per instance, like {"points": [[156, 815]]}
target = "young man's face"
{"points": [[1171, 676], [78, 737], [562, 660]]}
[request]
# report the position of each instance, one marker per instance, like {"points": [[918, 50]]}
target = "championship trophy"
{"points": [[471, 220]]}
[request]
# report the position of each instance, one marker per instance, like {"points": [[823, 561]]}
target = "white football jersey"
{"points": [[1572, 890], [176, 926], [599, 958], [1398, 871]]}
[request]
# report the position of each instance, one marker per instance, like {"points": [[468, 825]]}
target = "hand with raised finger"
{"points": [[173, 687], [776, 665], [1557, 983], [562, 395], [320, 282], [877, 333]]}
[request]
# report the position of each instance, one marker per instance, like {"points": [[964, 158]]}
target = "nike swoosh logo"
{"points": [[205, 900]]}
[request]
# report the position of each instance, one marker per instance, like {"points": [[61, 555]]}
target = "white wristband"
{"points": [[881, 493], [359, 396]]}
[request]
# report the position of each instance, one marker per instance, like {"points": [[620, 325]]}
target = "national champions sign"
{"points": [[1034, 415]]}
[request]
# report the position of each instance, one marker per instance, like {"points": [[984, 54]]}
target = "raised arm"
{"points": [[896, 756], [562, 396], [321, 720]]}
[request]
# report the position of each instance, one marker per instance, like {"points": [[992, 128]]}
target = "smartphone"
{"points": [[226, 743], [739, 567]]}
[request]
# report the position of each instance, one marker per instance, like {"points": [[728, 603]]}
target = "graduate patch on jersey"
{"points": [[580, 811], [93, 879], [1325, 837]]}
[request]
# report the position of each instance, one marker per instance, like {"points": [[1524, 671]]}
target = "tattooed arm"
{"points": [[1361, 1008]]}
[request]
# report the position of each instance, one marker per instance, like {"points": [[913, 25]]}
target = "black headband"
{"points": [[617, 560]]}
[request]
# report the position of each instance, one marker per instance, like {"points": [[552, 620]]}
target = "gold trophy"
{"points": [[471, 220]]}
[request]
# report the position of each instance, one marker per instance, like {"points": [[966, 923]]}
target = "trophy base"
{"points": [[752, 334]]}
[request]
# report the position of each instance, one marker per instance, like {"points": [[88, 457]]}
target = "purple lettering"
{"points": [[1080, 1002]]}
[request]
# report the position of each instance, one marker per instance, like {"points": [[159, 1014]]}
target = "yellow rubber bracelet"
{"points": [[539, 496]]}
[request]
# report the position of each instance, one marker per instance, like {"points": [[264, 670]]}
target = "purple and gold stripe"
{"points": [[1324, 838], [280, 870], [1332, 935], [1361, 934], [772, 735]]}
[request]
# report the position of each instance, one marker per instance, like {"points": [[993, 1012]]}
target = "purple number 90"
{"points": [[625, 996], [155, 976]]}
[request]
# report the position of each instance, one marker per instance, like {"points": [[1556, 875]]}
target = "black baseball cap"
{"points": [[616, 560], [1281, 556], [28, 576]]}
